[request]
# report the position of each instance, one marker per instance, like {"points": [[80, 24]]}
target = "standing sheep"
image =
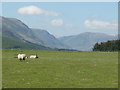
{"points": [[21, 56]]}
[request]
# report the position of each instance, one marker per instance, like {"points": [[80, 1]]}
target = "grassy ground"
{"points": [[60, 69]]}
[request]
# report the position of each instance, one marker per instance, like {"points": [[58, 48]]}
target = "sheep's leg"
{"points": [[20, 59], [24, 59]]}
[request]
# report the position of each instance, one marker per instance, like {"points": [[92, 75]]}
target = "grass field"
{"points": [[60, 69]]}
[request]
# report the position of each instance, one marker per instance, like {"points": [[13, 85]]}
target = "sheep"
{"points": [[21, 56], [33, 56]]}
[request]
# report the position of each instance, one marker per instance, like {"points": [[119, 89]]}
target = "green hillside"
{"points": [[8, 43]]}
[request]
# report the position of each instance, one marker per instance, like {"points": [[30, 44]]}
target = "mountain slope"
{"points": [[16, 30], [14, 44], [15, 34], [85, 41], [48, 39]]}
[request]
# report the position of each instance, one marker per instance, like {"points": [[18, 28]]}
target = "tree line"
{"points": [[113, 45]]}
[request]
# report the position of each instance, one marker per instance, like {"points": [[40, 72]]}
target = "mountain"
{"points": [[17, 30], [48, 39], [9, 43], [14, 30], [17, 35], [85, 41]]}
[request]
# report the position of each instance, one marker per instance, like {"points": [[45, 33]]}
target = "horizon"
{"points": [[66, 20]]}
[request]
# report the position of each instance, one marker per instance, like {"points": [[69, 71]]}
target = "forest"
{"points": [[113, 45]]}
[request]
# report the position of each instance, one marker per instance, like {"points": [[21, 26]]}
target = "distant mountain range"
{"points": [[17, 35], [86, 41], [48, 39]]}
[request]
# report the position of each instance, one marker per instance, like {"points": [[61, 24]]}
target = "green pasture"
{"points": [[60, 69]]}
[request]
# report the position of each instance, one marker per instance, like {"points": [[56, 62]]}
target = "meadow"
{"points": [[60, 69]]}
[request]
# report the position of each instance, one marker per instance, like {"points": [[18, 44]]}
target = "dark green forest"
{"points": [[113, 45]]}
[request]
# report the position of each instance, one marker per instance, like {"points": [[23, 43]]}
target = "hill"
{"points": [[85, 41], [14, 44], [48, 39], [15, 30]]}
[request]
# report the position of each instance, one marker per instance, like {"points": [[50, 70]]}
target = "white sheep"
{"points": [[33, 56], [21, 56]]}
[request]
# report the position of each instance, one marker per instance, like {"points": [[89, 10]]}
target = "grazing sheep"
{"points": [[26, 57], [33, 56], [21, 56]]}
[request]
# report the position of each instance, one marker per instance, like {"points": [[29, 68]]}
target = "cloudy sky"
{"points": [[65, 18]]}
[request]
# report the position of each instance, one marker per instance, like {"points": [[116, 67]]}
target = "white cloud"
{"points": [[61, 23], [33, 10], [57, 22], [100, 24]]}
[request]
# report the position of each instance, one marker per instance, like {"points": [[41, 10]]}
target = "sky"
{"points": [[65, 18]]}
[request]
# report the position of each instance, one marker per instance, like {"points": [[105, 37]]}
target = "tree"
{"points": [[113, 45]]}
